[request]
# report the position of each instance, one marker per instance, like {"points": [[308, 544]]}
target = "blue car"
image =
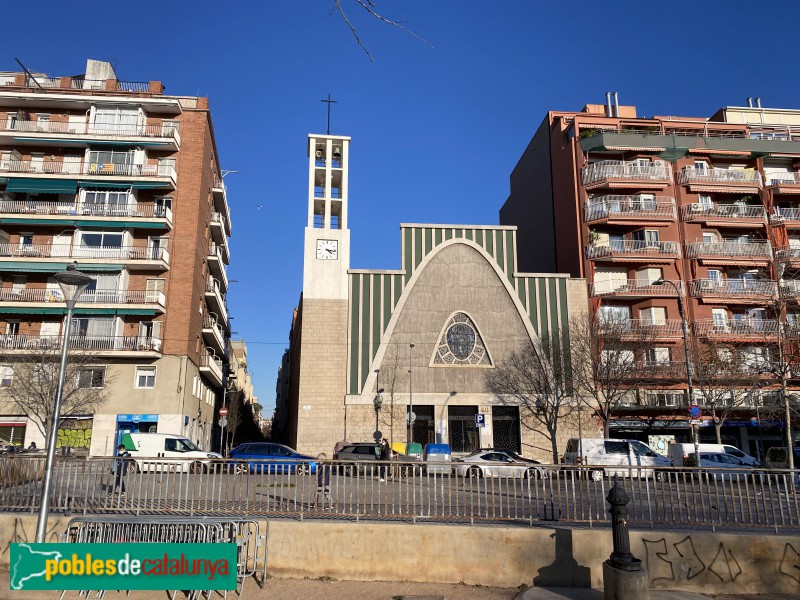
{"points": [[259, 457]]}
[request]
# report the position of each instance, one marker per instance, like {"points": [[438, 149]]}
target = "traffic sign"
{"points": [[412, 417], [223, 422], [377, 436], [694, 411], [223, 412], [480, 420]]}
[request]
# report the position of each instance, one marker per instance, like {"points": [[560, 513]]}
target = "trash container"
{"points": [[414, 449], [437, 458], [399, 447]]}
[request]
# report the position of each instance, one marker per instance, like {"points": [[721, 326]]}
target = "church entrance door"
{"points": [[505, 428], [461, 426]]}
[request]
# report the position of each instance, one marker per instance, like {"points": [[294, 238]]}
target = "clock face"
{"points": [[327, 249]]}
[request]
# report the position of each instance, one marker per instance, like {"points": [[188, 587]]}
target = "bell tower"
{"points": [[322, 377], [327, 238]]}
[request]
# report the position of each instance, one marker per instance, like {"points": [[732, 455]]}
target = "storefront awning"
{"points": [[42, 186]]}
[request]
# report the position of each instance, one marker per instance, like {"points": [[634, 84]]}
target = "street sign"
{"points": [[223, 422], [223, 412], [412, 417], [695, 421], [377, 436], [694, 411], [480, 420], [136, 418]]}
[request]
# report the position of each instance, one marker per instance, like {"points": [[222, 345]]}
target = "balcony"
{"points": [[215, 299], [34, 296], [219, 227], [115, 345], [629, 210], [734, 290], [138, 256], [211, 367], [660, 370], [784, 215], [788, 255], [736, 329], [220, 193], [633, 250], [164, 133], [643, 329], [621, 174], [632, 288], [783, 183], [790, 289], [213, 334], [217, 256], [65, 213], [730, 252], [735, 181], [164, 174], [724, 215]]}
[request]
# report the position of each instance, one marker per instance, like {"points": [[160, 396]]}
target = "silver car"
{"points": [[490, 463]]}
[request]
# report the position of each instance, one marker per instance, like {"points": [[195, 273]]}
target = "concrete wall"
{"points": [[699, 562]]}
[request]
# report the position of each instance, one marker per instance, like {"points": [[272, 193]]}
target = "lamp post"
{"points": [[377, 402], [409, 439], [72, 283], [662, 281]]}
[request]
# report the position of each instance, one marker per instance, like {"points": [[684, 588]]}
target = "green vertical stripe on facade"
{"points": [[533, 309], [388, 302], [563, 305], [552, 284], [490, 243], [479, 237], [376, 317], [522, 292], [499, 254], [366, 295], [398, 290], [509, 235], [408, 236], [417, 248], [448, 234], [469, 234], [355, 301], [438, 236], [429, 239], [541, 288]]}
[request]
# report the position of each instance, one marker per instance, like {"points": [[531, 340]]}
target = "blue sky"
{"points": [[436, 128]]}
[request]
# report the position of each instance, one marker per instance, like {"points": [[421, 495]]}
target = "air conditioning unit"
{"points": [[708, 284]]}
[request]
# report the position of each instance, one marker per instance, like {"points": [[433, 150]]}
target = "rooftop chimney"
{"points": [[749, 102], [758, 102], [609, 110], [616, 105]]}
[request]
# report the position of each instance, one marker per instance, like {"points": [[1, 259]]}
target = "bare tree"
{"points": [[370, 7], [35, 382], [392, 412], [608, 354], [537, 379]]}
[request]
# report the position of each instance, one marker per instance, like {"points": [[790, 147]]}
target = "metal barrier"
{"points": [[671, 497], [249, 535]]}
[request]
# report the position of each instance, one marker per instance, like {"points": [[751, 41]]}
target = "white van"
{"points": [[610, 452], [166, 452], [680, 452]]}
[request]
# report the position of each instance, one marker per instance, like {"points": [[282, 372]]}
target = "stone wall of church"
{"points": [[323, 369]]}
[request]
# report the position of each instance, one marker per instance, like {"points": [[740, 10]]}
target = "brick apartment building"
{"points": [[711, 205], [126, 181]]}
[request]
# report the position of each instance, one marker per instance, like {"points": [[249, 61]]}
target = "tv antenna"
{"points": [[28, 75]]}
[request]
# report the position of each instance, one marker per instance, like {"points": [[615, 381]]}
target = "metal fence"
{"points": [[672, 497]]}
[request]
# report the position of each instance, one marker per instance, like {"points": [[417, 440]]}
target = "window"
{"points": [[145, 377], [657, 356], [101, 239], [616, 447], [709, 237], [649, 275], [653, 315], [665, 399], [6, 375], [701, 165], [103, 202], [116, 119], [705, 201], [610, 314], [91, 377]]}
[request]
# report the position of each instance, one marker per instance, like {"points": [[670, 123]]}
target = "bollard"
{"points": [[624, 576]]}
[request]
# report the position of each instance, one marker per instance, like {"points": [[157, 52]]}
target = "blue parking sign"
{"points": [[480, 420]]}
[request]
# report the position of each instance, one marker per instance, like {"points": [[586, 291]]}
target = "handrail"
{"points": [[699, 211], [76, 251], [632, 247], [617, 169], [719, 176], [624, 287], [629, 207], [88, 297], [733, 287], [729, 249], [165, 129]]}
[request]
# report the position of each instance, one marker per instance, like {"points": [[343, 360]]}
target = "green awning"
{"points": [[137, 185], [52, 267], [78, 222], [60, 310], [43, 186]]}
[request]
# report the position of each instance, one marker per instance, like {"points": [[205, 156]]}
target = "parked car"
{"points": [[353, 457], [680, 453], [608, 453], [722, 466], [516, 457], [153, 452], [778, 458], [270, 458], [495, 464]]}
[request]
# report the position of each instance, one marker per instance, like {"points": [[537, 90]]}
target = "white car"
{"points": [[489, 463], [723, 466]]}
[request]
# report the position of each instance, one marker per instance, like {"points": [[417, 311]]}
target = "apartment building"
{"points": [[124, 180], [651, 210]]}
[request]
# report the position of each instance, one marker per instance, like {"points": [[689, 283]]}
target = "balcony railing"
{"points": [[636, 207], [168, 129], [632, 287], [790, 288], [779, 179], [617, 169], [659, 370], [753, 250], [783, 213], [90, 297], [632, 248], [71, 251], [79, 167], [81, 342], [722, 212], [642, 328], [785, 253], [734, 288], [751, 328], [748, 177], [133, 210], [213, 364]]}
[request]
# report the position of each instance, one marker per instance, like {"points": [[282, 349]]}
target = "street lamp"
{"points": [[72, 283], [662, 281], [377, 402], [410, 401]]}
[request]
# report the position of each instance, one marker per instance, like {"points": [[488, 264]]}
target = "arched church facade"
{"points": [[425, 334]]}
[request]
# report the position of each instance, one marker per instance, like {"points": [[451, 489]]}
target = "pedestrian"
{"points": [[120, 469], [32, 447], [323, 483], [386, 456]]}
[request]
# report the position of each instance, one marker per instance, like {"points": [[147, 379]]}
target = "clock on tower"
{"points": [[327, 249]]}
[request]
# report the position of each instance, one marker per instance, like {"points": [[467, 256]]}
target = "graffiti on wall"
{"points": [[680, 560], [75, 434], [790, 563], [20, 533]]}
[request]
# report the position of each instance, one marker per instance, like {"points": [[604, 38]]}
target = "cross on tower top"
{"points": [[329, 102]]}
